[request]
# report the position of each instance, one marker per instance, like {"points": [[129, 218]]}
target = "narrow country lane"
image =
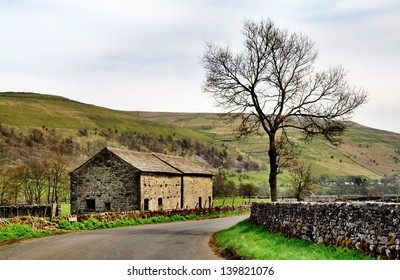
{"points": [[173, 241]]}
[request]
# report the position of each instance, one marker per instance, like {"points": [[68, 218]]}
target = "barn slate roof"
{"points": [[159, 163], [183, 165], [145, 162]]}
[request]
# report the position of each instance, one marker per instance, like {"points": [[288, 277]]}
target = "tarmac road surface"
{"points": [[172, 241]]}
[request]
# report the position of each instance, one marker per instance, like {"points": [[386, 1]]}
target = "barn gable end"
{"points": [[104, 183]]}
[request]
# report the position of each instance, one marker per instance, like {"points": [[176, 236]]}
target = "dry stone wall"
{"points": [[115, 216], [25, 210], [372, 228]]}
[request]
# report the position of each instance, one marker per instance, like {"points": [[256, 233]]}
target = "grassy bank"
{"points": [[247, 241], [18, 231]]}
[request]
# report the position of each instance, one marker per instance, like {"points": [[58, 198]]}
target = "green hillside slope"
{"points": [[364, 151], [39, 110], [33, 124]]}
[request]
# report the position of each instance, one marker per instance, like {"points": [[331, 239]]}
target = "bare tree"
{"points": [[4, 186], [302, 181], [22, 176], [56, 175], [38, 180], [272, 86], [30, 177]]}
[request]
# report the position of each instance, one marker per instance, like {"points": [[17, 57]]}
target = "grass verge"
{"points": [[18, 231], [247, 241]]}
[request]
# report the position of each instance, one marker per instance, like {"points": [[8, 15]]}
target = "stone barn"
{"points": [[123, 180]]}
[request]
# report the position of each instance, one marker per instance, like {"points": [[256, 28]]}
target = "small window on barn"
{"points": [[200, 202], [160, 203], [146, 204], [90, 204], [108, 206]]}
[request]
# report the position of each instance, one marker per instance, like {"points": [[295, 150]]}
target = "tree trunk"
{"points": [[273, 168]]}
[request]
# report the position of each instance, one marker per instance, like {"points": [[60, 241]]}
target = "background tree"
{"points": [[22, 176], [247, 190], [5, 186], [302, 181], [30, 177], [38, 180], [272, 86], [55, 175], [223, 188]]}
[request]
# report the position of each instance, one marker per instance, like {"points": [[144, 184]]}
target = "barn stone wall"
{"points": [[197, 191], [108, 181], [162, 191], [372, 228]]}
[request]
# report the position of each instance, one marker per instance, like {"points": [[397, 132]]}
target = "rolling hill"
{"points": [[32, 124], [365, 151]]}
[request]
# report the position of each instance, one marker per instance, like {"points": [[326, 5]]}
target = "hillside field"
{"points": [[364, 151]]}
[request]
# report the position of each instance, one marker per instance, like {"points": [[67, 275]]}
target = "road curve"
{"points": [[173, 241]]}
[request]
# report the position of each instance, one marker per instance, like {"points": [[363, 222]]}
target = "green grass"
{"points": [[258, 178], [65, 209], [229, 201], [248, 241], [17, 231]]}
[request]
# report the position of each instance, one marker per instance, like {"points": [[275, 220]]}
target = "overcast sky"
{"points": [[145, 55]]}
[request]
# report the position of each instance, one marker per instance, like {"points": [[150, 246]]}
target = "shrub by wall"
{"points": [[372, 228]]}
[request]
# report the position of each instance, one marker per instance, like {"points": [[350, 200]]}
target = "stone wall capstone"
{"points": [[369, 227]]}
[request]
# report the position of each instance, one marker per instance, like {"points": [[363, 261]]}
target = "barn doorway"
{"points": [[146, 204], [108, 206]]}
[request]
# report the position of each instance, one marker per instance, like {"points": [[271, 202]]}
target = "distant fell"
{"points": [[43, 110], [364, 151]]}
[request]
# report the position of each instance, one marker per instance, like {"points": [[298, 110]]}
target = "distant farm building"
{"points": [[123, 180]]}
